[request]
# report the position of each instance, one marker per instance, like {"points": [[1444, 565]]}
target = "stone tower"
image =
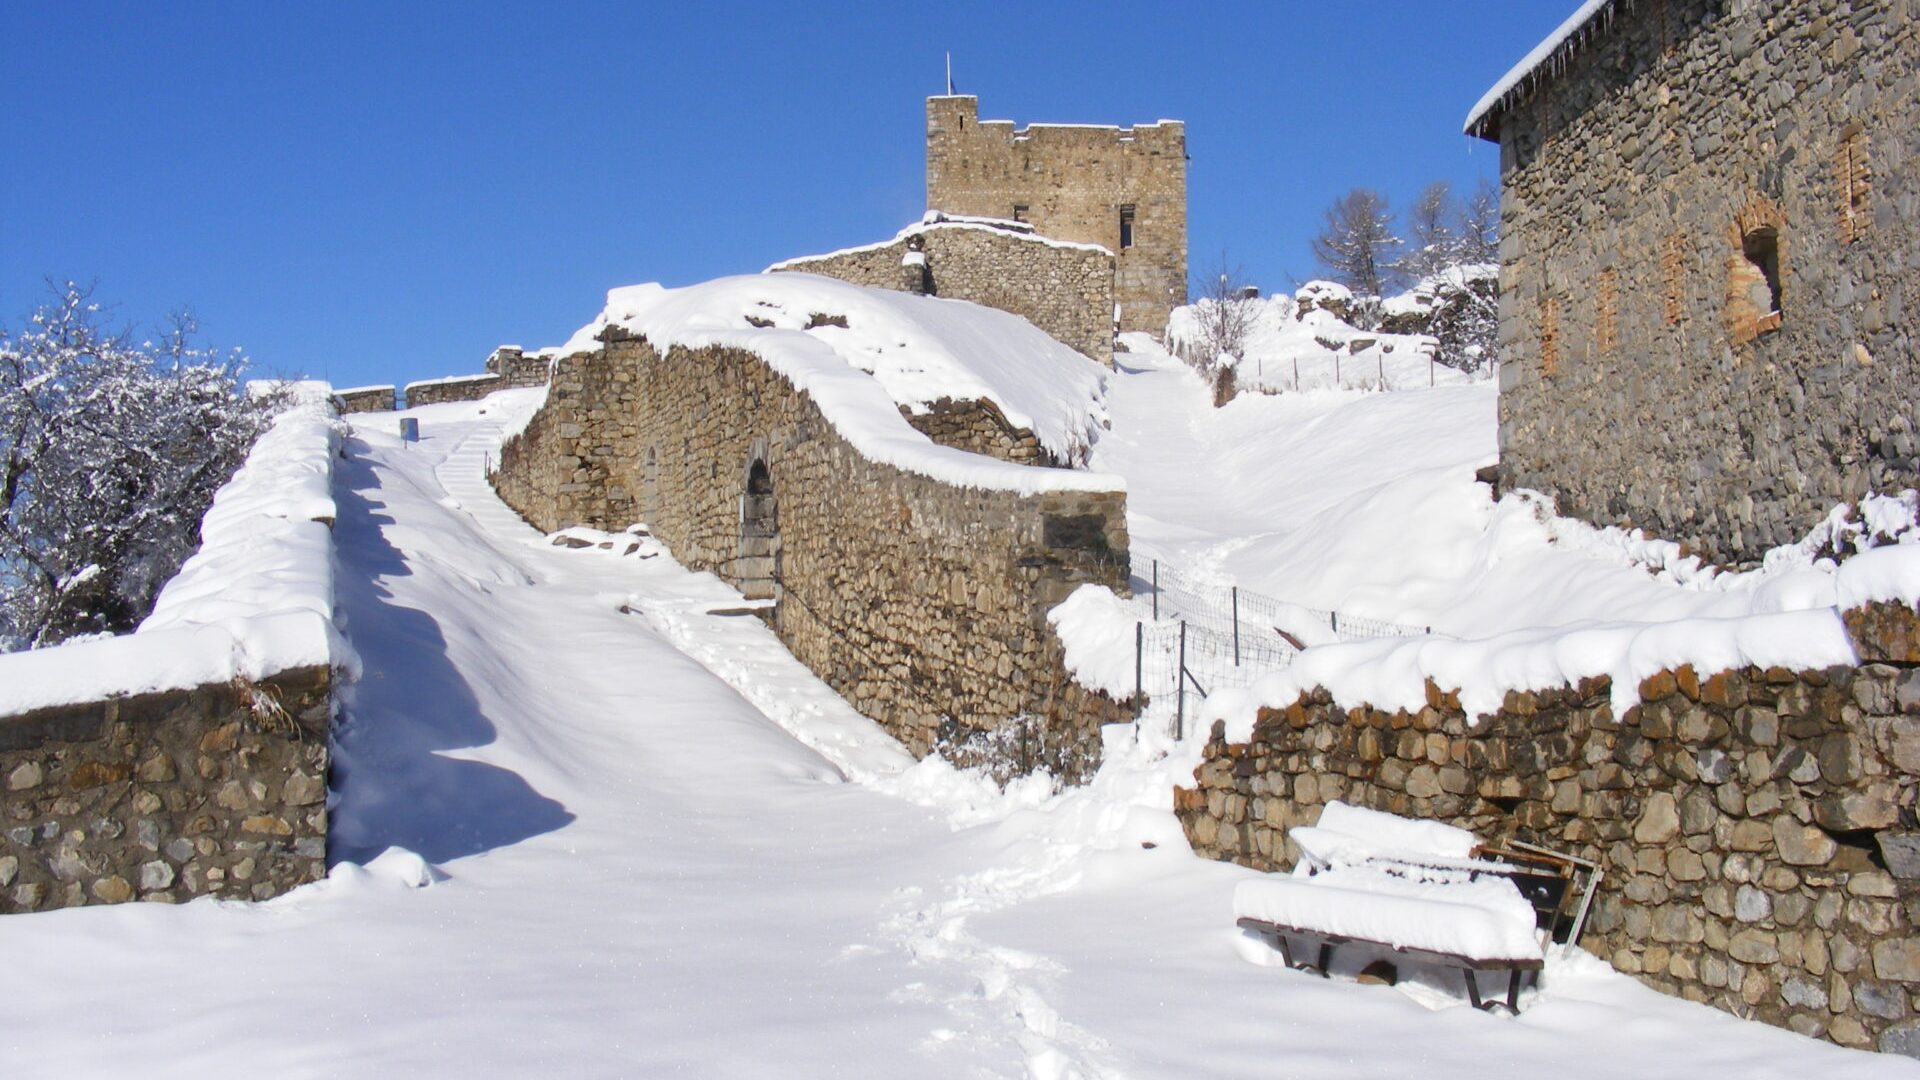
{"points": [[1122, 188]]}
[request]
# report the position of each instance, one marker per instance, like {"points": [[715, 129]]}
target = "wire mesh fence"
{"points": [[1204, 637]]}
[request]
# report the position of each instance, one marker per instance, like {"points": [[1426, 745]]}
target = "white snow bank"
{"points": [[897, 350], [1295, 344], [255, 600], [1541, 53], [1881, 575], [1096, 631], [1391, 673]]}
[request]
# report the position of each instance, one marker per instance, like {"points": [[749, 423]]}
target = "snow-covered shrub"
{"points": [[110, 452]]}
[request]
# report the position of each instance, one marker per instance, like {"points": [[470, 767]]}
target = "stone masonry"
{"points": [[1065, 290], [1687, 169], [507, 368], [922, 603], [214, 791], [362, 399], [1124, 189], [1756, 827]]}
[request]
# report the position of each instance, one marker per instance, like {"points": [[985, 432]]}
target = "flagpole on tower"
{"points": [[949, 74]]}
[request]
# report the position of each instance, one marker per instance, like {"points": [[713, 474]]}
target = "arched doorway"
{"points": [[758, 567]]}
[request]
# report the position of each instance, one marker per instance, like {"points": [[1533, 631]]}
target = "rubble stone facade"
{"points": [[1065, 290], [1124, 189], [167, 796], [1708, 253], [922, 603], [1755, 827]]}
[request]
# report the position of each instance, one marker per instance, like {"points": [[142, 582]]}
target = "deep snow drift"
{"points": [[588, 826]]}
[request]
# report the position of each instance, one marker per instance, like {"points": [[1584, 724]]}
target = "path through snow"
{"points": [[641, 858]]}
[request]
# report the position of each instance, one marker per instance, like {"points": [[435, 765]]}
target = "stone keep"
{"points": [[1122, 188], [1708, 246]]}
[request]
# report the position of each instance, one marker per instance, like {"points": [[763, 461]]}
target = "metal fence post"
{"points": [[1236, 626], [1139, 667], [1333, 619], [1180, 681], [1156, 590]]}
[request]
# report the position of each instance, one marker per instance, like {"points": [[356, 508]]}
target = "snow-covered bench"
{"points": [[1420, 889]]}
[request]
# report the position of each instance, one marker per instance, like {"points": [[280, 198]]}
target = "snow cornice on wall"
{"points": [[1547, 60]]}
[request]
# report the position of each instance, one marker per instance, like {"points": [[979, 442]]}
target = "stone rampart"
{"points": [[1064, 289], [362, 399], [922, 603], [1755, 827], [1690, 166], [216, 790], [457, 388], [516, 369]]}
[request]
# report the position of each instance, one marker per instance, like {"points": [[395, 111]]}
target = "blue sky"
{"points": [[383, 192]]}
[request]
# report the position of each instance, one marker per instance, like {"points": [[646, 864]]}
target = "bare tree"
{"points": [[1356, 244], [1479, 233], [1432, 243], [1226, 310]]}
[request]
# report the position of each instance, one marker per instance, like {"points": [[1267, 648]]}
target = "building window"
{"points": [[1019, 211], [1606, 311], [1851, 177], [1126, 226], [1756, 270], [1549, 334], [1673, 269]]}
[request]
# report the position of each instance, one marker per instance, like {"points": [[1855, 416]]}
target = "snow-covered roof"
{"points": [[939, 219], [1545, 59], [896, 350]]}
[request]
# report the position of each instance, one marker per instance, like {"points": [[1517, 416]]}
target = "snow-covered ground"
{"points": [[626, 835]]}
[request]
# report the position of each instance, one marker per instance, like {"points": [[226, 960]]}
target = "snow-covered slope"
{"points": [[1299, 343], [913, 351], [587, 826]]}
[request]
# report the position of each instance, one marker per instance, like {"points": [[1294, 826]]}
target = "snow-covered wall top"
{"points": [[1536, 64], [936, 219], [254, 601], [863, 354]]}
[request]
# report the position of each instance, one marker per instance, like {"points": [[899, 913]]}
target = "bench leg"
{"points": [[1512, 1001], [1319, 966]]}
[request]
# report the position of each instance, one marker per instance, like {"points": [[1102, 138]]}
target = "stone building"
{"points": [[1124, 189], [1709, 244], [1064, 288]]}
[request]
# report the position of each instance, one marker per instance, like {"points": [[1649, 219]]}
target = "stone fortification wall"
{"points": [[1066, 291], [457, 388], [1074, 182], [516, 369], [168, 796], [508, 368], [1643, 381], [1756, 827], [922, 603], [979, 427], [362, 399]]}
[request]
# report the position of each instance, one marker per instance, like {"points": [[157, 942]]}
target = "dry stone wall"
{"points": [[922, 603], [1756, 827], [364, 399], [1074, 182], [166, 796], [1646, 181], [1065, 291]]}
